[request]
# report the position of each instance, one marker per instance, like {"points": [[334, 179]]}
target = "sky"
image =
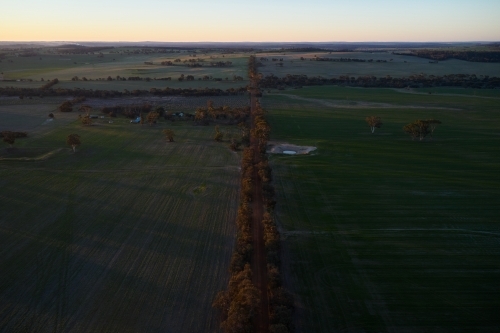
{"points": [[251, 21]]}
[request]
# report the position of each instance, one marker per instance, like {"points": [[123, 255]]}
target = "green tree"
{"points": [[73, 140]]}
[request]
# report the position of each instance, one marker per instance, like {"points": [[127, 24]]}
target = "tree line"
{"points": [[414, 81], [440, 55], [219, 114], [340, 59], [239, 303], [281, 306], [90, 93]]}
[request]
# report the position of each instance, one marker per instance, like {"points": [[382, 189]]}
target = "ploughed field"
{"points": [[128, 234], [382, 233]]}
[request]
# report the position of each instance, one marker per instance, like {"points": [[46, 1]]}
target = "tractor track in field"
{"points": [[361, 104], [259, 263], [165, 168]]}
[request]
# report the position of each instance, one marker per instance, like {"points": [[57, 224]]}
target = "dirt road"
{"points": [[259, 264]]}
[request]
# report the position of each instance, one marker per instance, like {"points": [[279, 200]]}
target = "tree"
{"points": [[234, 145], [169, 135], [85, 108], [9, 137], [85, 120], [374, 122], [160, 110], [433, 124], [66, 107], [417, 129], [218, 134], [200, 116], [152, 117], [73, 140]]}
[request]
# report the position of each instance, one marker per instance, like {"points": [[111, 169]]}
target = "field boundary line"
{"points": [[341, 104]]}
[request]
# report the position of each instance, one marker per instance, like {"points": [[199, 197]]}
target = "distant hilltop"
{"points": [[256, 45]]}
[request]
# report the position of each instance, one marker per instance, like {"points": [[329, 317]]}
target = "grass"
{"points": [[461, 91], [65, 67], [386, 234], [396, 68], [113, 238], [399, 97]]}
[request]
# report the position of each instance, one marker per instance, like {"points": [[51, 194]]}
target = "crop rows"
{"points": [[114, 238]]}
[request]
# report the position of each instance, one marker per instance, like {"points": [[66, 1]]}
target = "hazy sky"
{"points": [[257, 20]]}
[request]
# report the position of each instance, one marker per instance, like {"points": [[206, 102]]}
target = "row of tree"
{"points": [[239, 303], [49, 84], [67, 106], [90, 93], [473, 56], [225, 114], [341, 59], [280, 300], [413, 81]]}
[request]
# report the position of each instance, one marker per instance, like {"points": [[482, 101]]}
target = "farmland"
{"points": [[96, 67], [128, 234], [382, 233], [379, 232], [390, 64]]}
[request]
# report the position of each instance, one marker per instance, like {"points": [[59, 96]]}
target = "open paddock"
{"points": [[382, 233], [114, 237]]}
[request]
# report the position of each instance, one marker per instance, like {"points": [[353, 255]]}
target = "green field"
{"points": [[65, 67], [128, 234], [382, 233], [398, 67]]}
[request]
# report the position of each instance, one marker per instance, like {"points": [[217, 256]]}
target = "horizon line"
{"points": [[248, 42]]}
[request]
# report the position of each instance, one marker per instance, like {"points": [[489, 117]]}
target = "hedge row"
{"points": [[280, 300], [239, 304]]}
